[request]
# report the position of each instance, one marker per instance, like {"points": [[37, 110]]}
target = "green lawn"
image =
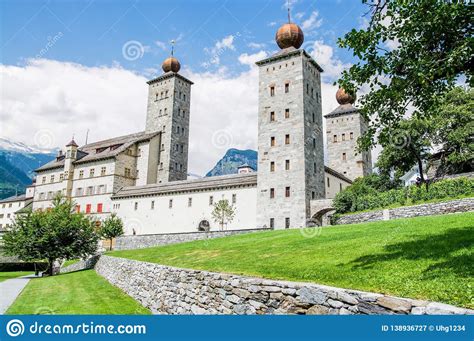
{"points": [[81, 292], [13, 274], [425, 257]]}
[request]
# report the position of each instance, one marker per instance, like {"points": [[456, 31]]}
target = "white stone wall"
{"points": [[182, 217], [7, 212], [47, 188], [334, 185]]}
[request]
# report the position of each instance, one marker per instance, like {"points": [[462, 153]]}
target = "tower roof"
{"points": [[72, 143], [171, 64], [343, 97], [289, 34]]}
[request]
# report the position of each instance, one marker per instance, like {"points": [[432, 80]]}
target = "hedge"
{"points": [[350, 201], [22, 266]]}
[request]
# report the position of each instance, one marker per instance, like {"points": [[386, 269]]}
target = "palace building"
{"points": [[142, 177]]}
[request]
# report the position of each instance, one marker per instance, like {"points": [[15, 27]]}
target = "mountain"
{"points": [[232, 159], [17, 164]]}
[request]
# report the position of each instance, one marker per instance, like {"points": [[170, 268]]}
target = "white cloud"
{"points": [[256, 46], [162, 45], [272, 23], [66, 98], [226, 43], [312, 22], [323, 54], [299, 15]]}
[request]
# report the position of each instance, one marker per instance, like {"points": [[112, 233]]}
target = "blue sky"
{"points": [[94, 32], [72, 67]]}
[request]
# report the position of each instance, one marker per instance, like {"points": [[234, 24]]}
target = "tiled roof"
{"points": [[288, 52], [343, 109], [13, 198], [208, 183], [337, 174], [93, 152]]}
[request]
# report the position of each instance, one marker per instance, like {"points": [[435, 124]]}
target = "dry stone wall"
{"points": [[453, 206], [81, 265], [170, 290], [149, 240]]}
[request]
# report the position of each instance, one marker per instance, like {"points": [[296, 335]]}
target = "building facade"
{"points": [[142, 177]]}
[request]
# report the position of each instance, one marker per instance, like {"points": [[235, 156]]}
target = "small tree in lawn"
{"points": [[111, 228], [223, 213], [52, 234]]}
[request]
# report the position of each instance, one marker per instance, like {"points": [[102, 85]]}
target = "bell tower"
{"points": [[290, 140], [168, 110]]}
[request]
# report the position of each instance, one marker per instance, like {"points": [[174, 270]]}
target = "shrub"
{"points": [[361, 196]]}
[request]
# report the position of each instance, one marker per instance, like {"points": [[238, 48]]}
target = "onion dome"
{"points": [[289, 35], [171, 64], [343, 97]]}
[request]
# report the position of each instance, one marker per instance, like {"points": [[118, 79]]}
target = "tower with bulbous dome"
{"points": [[290, 138], [344, 126], [168, 110]]}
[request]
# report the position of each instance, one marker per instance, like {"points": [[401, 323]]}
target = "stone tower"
{"points": [[168, 111], [290, 141], [344, 126], [69, 159]]}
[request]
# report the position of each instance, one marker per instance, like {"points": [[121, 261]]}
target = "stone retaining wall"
{"points": [[169, 290], [453, 206], [149, 240], [89, 263]]}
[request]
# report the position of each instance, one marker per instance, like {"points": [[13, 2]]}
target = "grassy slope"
{"points": [[82, 292], [12, 274], [425, 257]]}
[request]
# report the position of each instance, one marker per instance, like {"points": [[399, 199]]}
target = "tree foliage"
{"points": [[112, 227], [53, 234], [223, 213], [411, 53]]}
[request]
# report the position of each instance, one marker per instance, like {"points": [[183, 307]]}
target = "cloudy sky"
{"points": [[75, 66]]}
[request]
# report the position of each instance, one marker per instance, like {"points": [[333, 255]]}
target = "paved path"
{"points": [[10, 289]]}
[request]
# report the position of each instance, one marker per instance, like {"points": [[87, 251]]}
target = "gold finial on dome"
{"points": [[171, 63], [289, 34], [343, 97]]}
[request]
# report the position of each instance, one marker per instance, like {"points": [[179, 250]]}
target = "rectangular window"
{"points": [[91, 173], [43, 180], [88, 208], [78, 208], [287, 139], [81, 174], [287, 223], [153, 204], [334, 139], [287, 164], [272, 141], [170, 205], [99, 208], [52, 178], [135, 206], [190, 202], [287, 192], [61, 177], [127, 172], [344, 157], [314, 143], [90, 190], [329, 184], [79, 192], [340, 187], [287, 113], [314, 167], [272, 223], [234, 198], [272, 166], [272, 116], [314, 118], [211, 200], [103, 170], [313, 195], [287, 88], [272, 193], [272, 91], [351, 136], [343, 137]]}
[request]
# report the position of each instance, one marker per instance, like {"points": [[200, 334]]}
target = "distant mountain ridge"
{"points": [[232, 159], [17, 164]]}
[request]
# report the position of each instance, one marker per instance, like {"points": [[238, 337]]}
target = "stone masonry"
{"points": [[169, 290], [290, 141], [453, 206]]}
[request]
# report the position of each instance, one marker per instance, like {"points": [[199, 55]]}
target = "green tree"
{"points": [[406, 146], [411, 53], [52, 234], [223, 213], [454, 120], [111, 228]]}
